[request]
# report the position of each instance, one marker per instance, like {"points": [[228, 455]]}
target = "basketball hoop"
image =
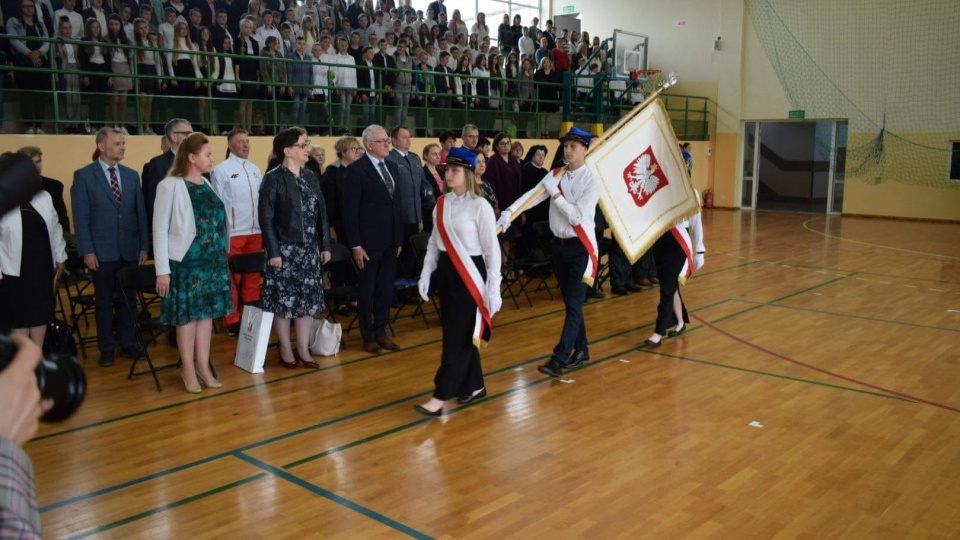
{"points": [[643, 73]]}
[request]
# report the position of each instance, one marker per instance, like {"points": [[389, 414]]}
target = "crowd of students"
{"points": [[383, 60]]}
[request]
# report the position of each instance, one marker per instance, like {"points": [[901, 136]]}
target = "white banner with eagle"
{"points": [[646, 189]]}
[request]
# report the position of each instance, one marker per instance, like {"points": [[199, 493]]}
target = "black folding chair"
{"points": [[77, 283], [246, 265], [141, 281], [339, 296], [418, 243]]}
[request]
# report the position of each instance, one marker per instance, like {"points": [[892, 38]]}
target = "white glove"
{"points": [[504, 221], [552, 185], [424, 286], [698, 261], [493, 301]]}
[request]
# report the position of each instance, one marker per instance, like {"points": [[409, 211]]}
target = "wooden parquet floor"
{"points": [[838, 339]]}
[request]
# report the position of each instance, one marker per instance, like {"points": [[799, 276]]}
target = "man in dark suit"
{"points": [[374, 230], [385, 77], [366, 86], [409, 186], [99, 12], [112, 234], [156, 169], [438, 8]]}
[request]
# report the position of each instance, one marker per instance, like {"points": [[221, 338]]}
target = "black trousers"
{"points": [[460, 373], [569, 263], [669, 257], [106, 283], [375, 286]]}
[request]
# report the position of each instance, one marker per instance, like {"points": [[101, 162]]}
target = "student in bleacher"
{"points": [[30, 54], [148, 64], [93, 57], [67, 57], [225, 87], [247, 70], [205, 65], [121, 66]]}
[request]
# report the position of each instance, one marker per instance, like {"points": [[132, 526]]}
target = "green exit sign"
{"points": [[799, 114], [568, 9]]}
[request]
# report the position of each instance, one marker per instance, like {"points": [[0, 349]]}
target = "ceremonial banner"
{"points": [[646, 189]]}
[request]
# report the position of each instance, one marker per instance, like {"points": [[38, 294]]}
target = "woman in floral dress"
{"points": [[296, 238]]}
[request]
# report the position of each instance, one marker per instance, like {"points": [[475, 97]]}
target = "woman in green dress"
{"points": [[190, 244]]}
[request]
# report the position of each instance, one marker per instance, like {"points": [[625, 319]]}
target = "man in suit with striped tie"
{"points": [[374, 229], [112, 234]]}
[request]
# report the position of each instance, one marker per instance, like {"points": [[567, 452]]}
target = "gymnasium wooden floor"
{"points": [[817, 396]]}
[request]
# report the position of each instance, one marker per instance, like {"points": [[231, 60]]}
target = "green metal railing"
{"points": [[529, 117]]}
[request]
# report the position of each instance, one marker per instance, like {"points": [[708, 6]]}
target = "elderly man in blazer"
{"points": [[374, 231], [408, 186], [156, 169], [112, 234]]}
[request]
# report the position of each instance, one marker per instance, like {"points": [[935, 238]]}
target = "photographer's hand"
{"points": [[20, 403]]}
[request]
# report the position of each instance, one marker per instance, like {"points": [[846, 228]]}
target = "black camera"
{"points": [[59, 377]]}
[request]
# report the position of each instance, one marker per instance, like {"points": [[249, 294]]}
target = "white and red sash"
{"points": [[589, 243], [682, 237], [468, 273]]}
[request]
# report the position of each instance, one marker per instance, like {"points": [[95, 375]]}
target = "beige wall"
{"points": [[742, 85]]}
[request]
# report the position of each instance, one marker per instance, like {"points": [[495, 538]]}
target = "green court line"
{"points": [[776, 375], [279, 379], [165, 507], [342, 501], [847, 315]]}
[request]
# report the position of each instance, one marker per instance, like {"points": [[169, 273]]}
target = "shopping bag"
{"points": [[255, 326], [325, 337]]}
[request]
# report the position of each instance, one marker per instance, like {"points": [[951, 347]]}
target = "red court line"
{"points": [[821, 370]]}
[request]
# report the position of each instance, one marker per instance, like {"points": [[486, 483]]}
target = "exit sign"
{"points": [[798, 114], [569, 9]]}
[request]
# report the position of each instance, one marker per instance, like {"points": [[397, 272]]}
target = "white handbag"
{"points": [[325, 337]]}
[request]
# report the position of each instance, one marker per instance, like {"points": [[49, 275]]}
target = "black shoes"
{"points": [[474, 397], [620, 291], [653, 344], [552, 368], [106, 359], [675, 333], [233, 330], [633, 287], [428, 412], [130, 351], [595, 294], [578, 359]]}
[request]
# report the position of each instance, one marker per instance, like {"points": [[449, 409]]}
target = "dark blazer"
{"points": [[332, 186], [104, 228], [372, 219], [444, 79], [364, 80], [281, 210], [408, 185], [385, 78], [437, 8], [153, 172], [55, 189]]}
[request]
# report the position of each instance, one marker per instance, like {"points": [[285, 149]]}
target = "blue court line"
{"points": [[347, 503]]}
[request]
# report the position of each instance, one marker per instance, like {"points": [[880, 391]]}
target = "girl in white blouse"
{"points": [[464, 251]]}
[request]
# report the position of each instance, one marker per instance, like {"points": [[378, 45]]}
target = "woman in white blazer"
{"points": [[190, 243], [32, 253]]}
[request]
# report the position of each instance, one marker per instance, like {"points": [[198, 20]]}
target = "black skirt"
{"points": [[27, 299], [148, 86], [182, 71]]}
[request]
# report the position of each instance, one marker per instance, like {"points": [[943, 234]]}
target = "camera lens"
{"points": [[59, 377]]}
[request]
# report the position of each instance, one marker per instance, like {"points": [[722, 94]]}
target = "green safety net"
{"points": [[890, 68]]}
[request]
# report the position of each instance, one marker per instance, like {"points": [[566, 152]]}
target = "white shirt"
{"points": [[473, 222], [237, 182], [71, 52], [380, 29], [480, 32], [263, 33], [346, 72], [525, 44], [577, 205], [166, 33], [76, 22]]}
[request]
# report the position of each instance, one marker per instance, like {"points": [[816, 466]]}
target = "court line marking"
{"points": [[153, 511], [804, 225], [342, 501], [326, 368], [822, 370], [848, 315]]}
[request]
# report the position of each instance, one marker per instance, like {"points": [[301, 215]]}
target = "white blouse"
{"points": [[474, 224]]}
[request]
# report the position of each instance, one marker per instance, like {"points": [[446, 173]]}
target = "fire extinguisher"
{"points": [[708, 199]]}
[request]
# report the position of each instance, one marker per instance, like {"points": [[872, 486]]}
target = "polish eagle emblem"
{"points": [[644, 177]]}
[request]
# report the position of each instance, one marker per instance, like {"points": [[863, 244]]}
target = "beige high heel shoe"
{"points": [[190, 388], [212, 383]]}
